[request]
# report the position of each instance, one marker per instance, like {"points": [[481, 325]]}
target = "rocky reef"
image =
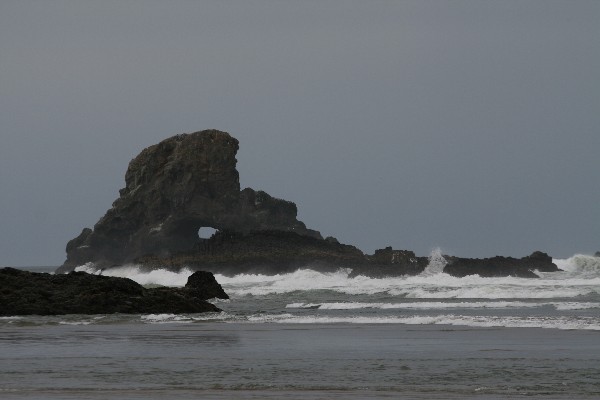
{"points": [[501, 266], [190, 181], [389, 262], [29, 293]]}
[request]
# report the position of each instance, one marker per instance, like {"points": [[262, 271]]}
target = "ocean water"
{"points": [[311, 335]]}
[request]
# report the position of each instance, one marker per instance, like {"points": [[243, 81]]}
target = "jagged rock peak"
{"points": [[172, 189]]}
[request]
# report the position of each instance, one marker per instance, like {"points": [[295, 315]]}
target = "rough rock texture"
{"points": [[172, 189], [28, 293]]}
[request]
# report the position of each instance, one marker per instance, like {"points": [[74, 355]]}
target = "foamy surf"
{"points": [[187, 319], [438, 305], [583, 323], [580, 265], [439, 286], [156, 277], [569, 299], [481, 321], [581, 277]]}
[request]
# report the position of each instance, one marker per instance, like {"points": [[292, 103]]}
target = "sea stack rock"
{"points": [[173, 189]]}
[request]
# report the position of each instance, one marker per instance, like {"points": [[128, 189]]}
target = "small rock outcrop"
{"points": [[29, 293], [204, 286], [389, 262]]}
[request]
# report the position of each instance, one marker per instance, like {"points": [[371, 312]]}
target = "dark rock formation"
{"points": [[501, 266], [204, 286], [172, 189], [597, 254], [265, 252], [29, 293], [388, 262], [190, 181]]}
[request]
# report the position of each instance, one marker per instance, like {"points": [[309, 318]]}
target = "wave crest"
{"points": [[580, 264], [147, 278], [581, 277]]}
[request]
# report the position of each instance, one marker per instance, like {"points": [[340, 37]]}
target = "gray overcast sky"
{"points": [[468, 125]]}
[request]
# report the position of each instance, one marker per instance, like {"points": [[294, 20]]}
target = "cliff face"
{"points": [[172, 189]]}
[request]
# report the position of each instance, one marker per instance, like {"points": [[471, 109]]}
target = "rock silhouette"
{"points": [[29, 293]]}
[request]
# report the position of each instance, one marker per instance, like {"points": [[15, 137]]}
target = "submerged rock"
{"points": [[29, 293]]}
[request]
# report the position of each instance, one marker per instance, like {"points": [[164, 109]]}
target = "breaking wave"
{"points": [[581, 265], [580, 277], [584, 323], [438, 305], [436, 264], [480, 321], [569, 299], [156, 277], [438, 286]]}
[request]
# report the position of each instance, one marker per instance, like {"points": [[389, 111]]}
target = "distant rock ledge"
{"points": [[190, 181], [30, 293]]}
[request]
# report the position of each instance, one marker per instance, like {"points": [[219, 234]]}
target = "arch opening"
{"points": [[206, 232]]}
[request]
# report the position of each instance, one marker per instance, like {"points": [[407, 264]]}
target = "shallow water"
{"points": [[134, 359]]}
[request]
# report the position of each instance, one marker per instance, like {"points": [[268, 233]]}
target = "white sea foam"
{"points": [[580, 264], [438, 305], [436, 264], [432, 305], [304, 279], [438, 286], [581, 277], [187, 319], [575, 306], [576, 323], [166, 318], [484, 321], [162, 277], [83, 322]]}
